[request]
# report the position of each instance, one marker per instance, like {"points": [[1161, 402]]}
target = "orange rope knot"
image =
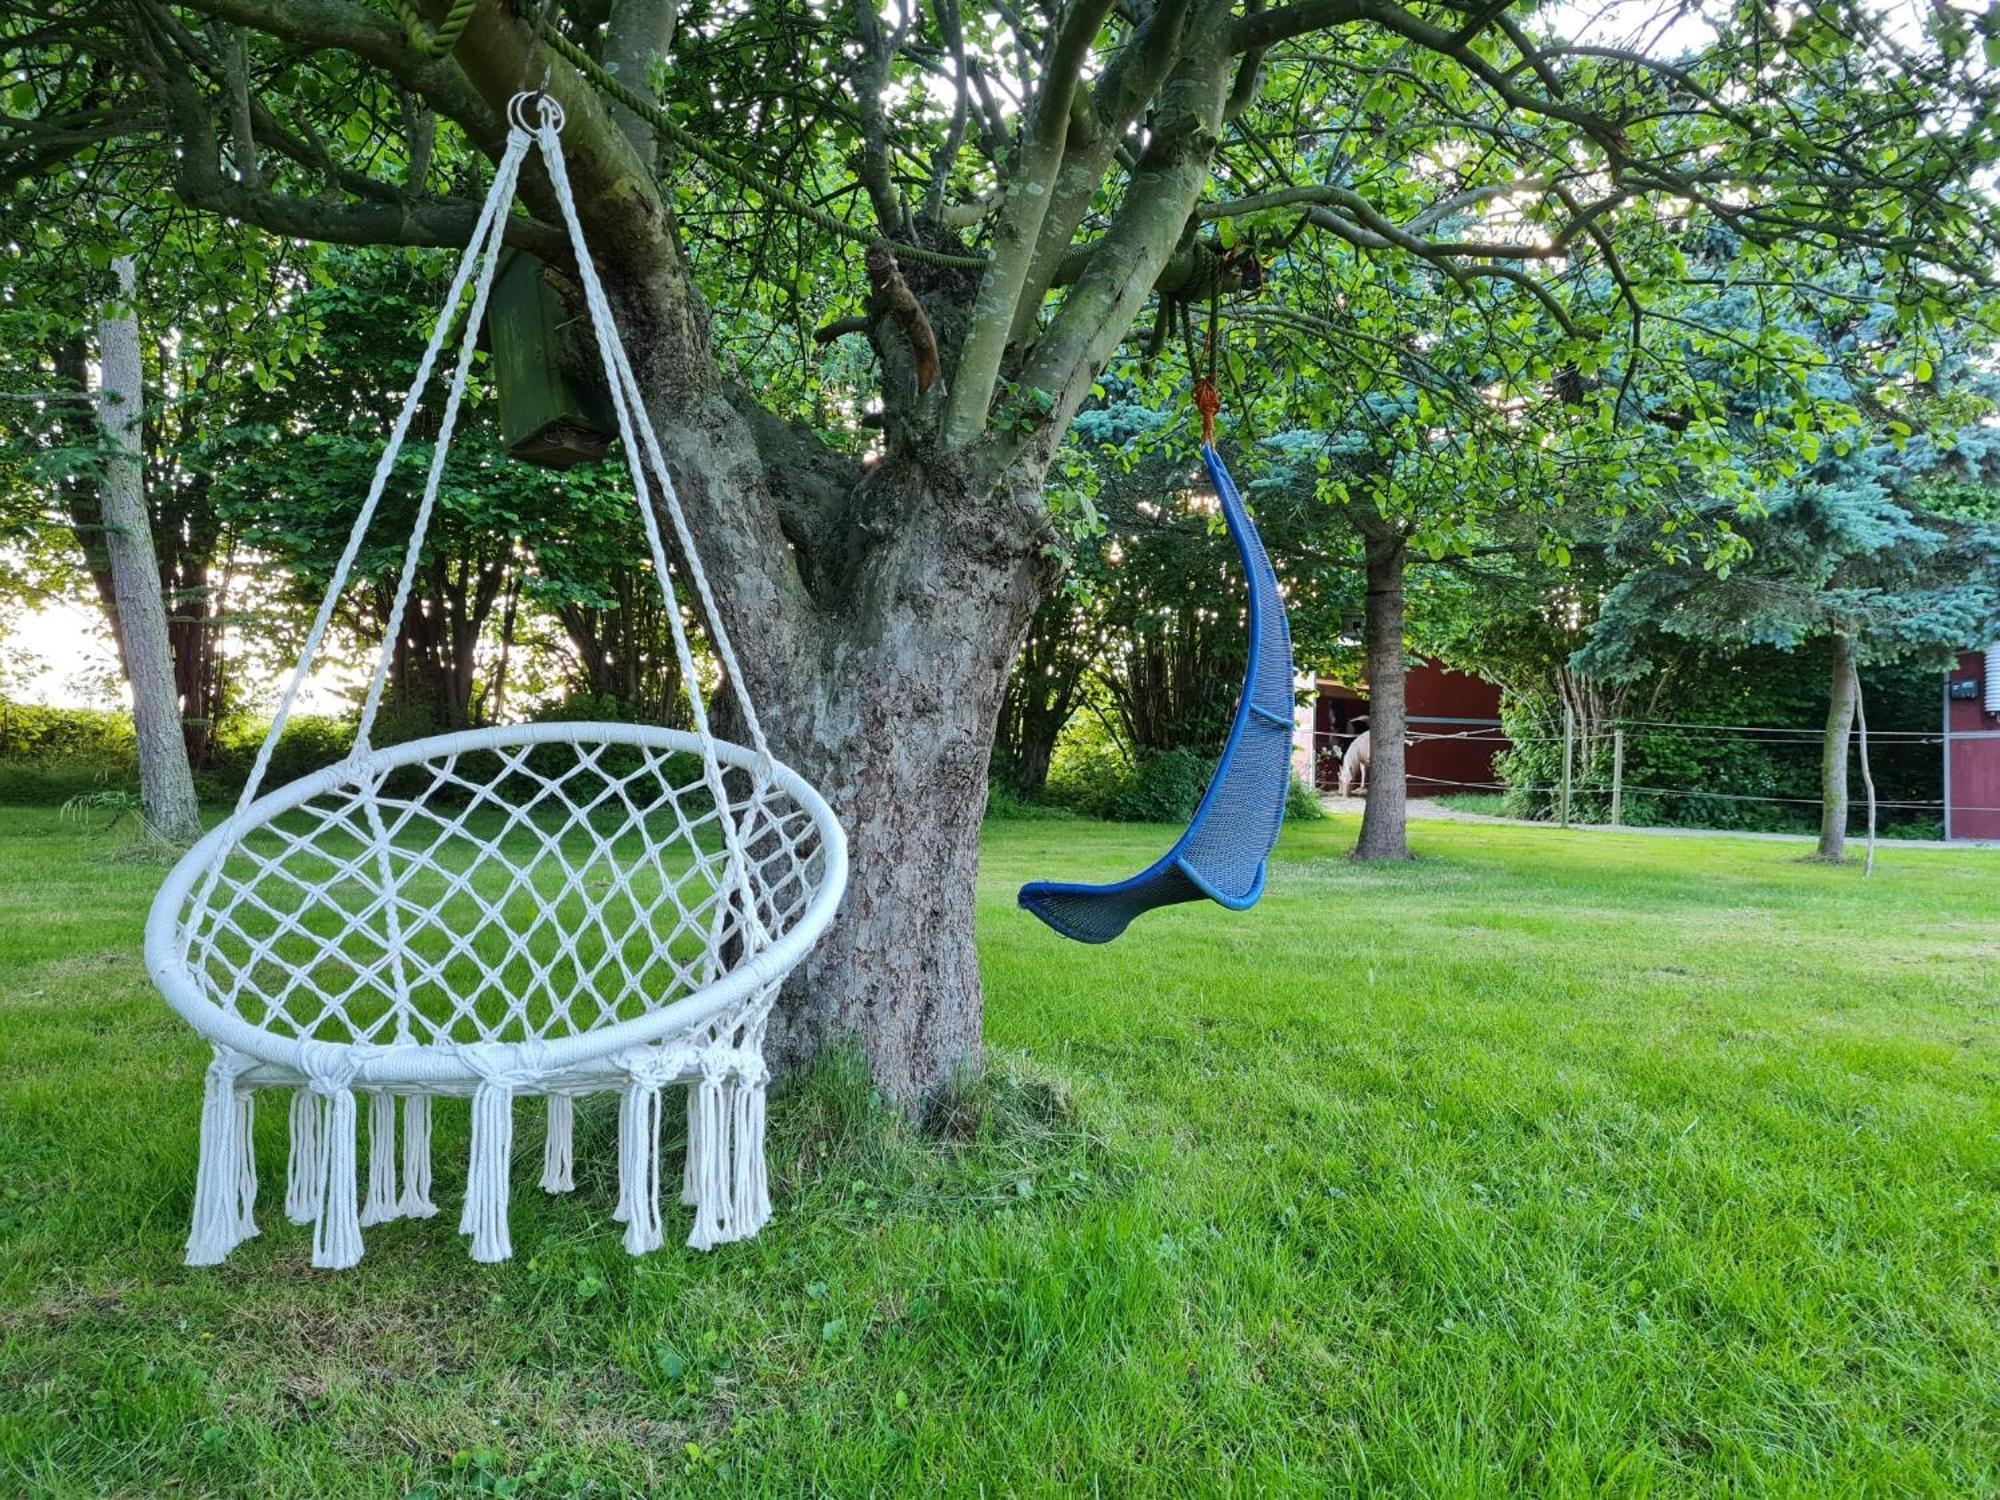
{"points": [[1207, 401]]}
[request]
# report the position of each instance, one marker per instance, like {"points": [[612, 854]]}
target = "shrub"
{"points": [[1088, 772], [1163, 787], [311, 742], [31, 734], [49, 756], [1004, 804], [1302, 804]]}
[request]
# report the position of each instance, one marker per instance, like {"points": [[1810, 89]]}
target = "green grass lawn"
{"points": [[1552, 1163]]}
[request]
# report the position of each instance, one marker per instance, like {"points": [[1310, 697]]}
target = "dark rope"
{"points": [[434, 43]]}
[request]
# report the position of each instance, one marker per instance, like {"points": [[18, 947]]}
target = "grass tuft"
{"points": [[997, 1139]]}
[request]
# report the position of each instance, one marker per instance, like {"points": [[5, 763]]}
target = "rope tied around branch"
{"points": [[1207, 401], [436, 43]]}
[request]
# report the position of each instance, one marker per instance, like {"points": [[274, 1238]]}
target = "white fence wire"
{"points": [[1329, 746]]}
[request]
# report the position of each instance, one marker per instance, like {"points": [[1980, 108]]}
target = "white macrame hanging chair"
{"points": [[547, 909]]}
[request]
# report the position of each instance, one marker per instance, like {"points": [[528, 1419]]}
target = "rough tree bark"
{"points": [[1846, 690], [897, 729], [1384, 819], [166, 786], [196, 603]]}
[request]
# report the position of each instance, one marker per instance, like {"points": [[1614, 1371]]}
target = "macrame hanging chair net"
{"points": [[549, 909]]}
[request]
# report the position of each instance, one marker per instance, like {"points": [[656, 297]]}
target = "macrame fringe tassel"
{"points": [[621, 1213], [302, 1170], [639, 1165], [337, 1230], [246, 1164], [485, 1215], [689, 1196], [416, 1201], [558, 1154], [223, 1205], [750, 1199], [708, 1162], [382, 1204]]}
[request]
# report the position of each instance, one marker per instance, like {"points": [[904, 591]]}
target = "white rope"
{"points": [[302, 1174], [503, 1068], [629, 408], [625, 385], [223, 1202], [492, 215], [493, 209], [708, 1156], [416, 1201], [558, 1146], [336, 1224], [383, 1204], [246, 1162], [489, 251]]}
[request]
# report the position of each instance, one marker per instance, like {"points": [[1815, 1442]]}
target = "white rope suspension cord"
{"points": [[490, 226], [481, 260], [623, 377], [496, 202], [633, 420], [502, 192], [488, 251]]}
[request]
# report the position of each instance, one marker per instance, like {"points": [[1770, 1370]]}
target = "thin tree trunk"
{"points": [[1384, 819], [82, 495], [1846, 689], [1867, 775], [495, 706], [166, 785]]}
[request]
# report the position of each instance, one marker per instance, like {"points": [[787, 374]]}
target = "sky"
{"points": [[60, 654]]}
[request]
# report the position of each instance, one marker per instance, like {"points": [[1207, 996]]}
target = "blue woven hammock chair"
{"points": [[1223, 852]]}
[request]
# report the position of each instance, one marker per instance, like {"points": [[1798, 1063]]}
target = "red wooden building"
{"points": [[1454, 730], [1972, 746]]}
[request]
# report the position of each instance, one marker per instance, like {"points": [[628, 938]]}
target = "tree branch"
{"points": [[1018, 229], [334, 24], [1261, 30], [201, 182]]}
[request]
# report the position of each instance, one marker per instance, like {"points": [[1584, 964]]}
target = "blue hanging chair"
{"points": [[1223, 852]]}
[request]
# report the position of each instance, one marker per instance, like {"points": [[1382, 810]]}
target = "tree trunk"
{"points": [[82, 494], [166, 786], [1833, 752], [1384, 820], [894, 724], [1042, 693]]}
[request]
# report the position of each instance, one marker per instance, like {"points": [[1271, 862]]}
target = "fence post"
{"points": [[1569, 759], [1617, 777]]}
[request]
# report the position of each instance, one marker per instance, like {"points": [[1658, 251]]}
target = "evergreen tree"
{"points": [[1873, 540]]}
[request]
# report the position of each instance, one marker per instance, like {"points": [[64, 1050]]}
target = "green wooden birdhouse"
{"points": [[547, 417]]}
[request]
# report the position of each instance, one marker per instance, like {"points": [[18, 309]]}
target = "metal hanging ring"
{"points": [[547, 113]]}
